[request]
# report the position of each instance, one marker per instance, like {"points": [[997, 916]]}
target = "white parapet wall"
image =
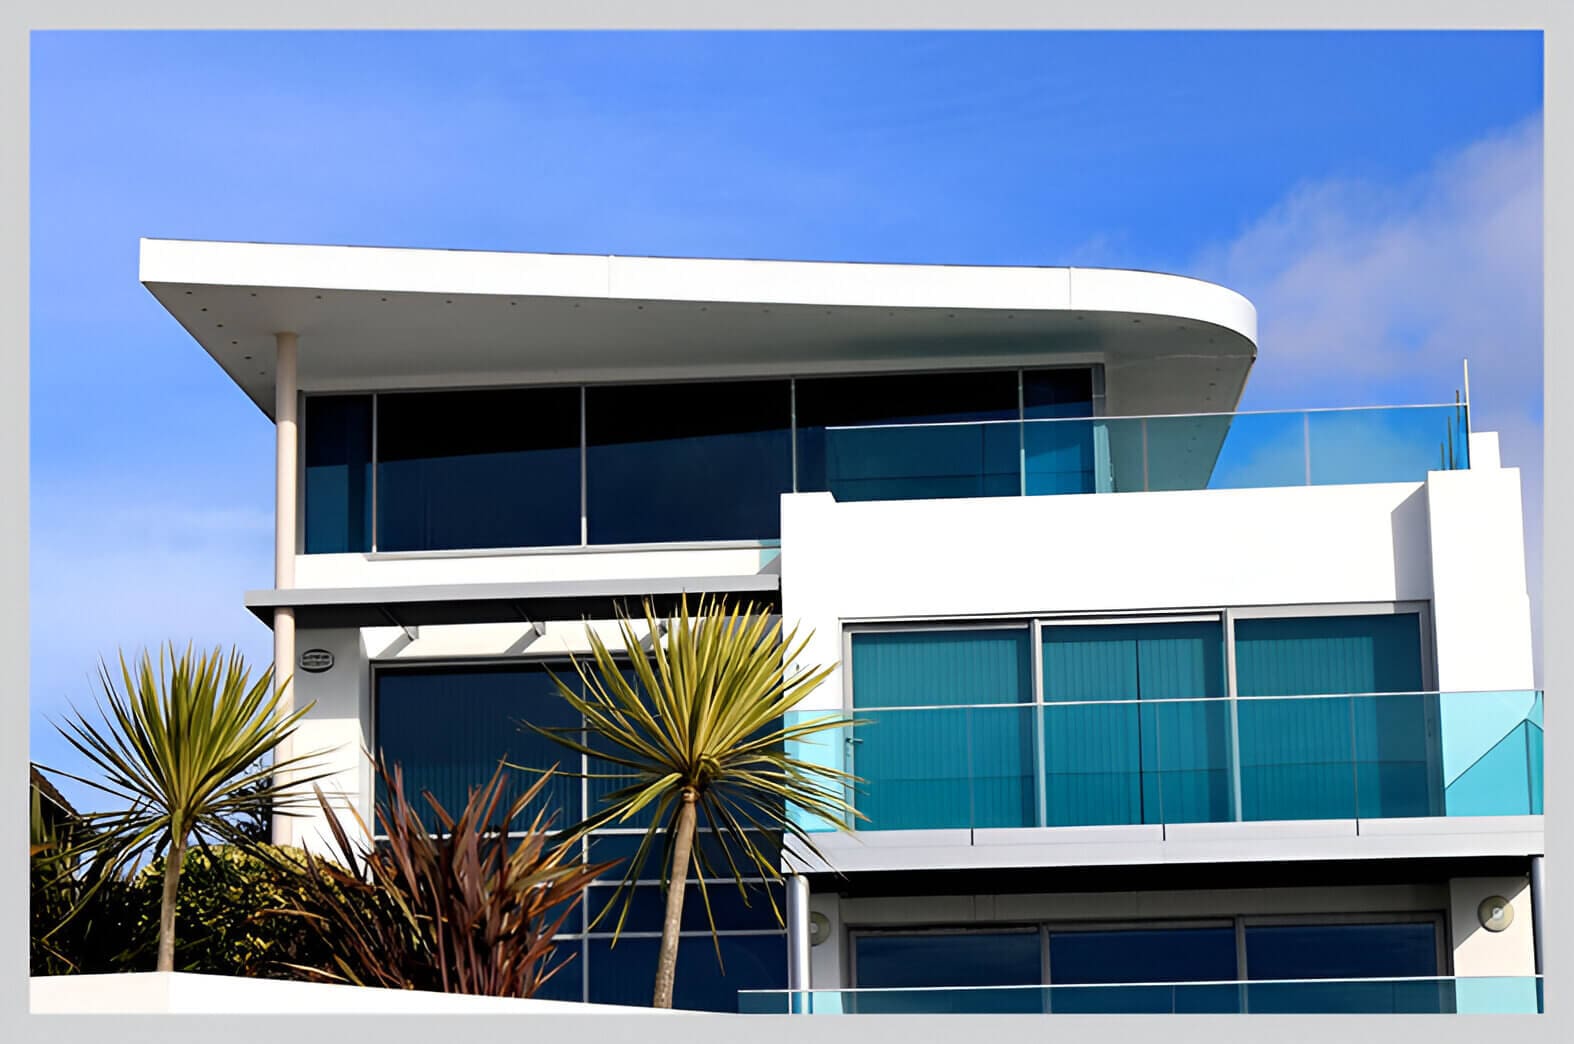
{"points": [[158, 993]]}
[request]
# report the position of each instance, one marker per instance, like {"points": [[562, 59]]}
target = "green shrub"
{"points": [[230, 905]]}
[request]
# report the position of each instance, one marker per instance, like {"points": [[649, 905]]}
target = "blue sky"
{"points": [[1377, 195]]}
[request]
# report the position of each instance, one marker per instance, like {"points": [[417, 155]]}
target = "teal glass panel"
{"points": [[338, 480], [1296, 759], [950, 766], [1351, 997], [1188, 452], [1060, 457], [1398, 765], [1496, 995], [1104, 762], [1300, 758], [1385, 445], [1505, 781], [1188, 761], [1533, 756], [931, 462]]}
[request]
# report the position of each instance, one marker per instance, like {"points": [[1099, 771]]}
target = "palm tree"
{"points": [[180, 753], [698, 736]]}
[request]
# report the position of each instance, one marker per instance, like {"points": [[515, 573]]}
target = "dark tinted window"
{"points": [[1341, 951], [949, 959], [623, 973], [872, 463], [1146, 955], [448, 728], [1057, 393], [705, 461], [478, 469], [338, 437]]}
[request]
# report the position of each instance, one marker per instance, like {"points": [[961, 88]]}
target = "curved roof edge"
{"points": [[616, 277]]}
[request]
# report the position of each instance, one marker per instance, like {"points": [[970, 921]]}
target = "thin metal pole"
{"points": [[797, 933], [1040, 728], [1144, 454], [584, 479], [374, 472], [1535, 909], [1306, 444], [1227, 625], [1021, 437]]}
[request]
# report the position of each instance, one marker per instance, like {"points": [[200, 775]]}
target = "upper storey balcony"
{"points": [[460, 402]]}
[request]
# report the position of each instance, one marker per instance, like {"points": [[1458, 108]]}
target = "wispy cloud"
{"points": [[1372, 292]]}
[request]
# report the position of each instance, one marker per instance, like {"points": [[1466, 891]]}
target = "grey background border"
{"points": [[1555, 17]]}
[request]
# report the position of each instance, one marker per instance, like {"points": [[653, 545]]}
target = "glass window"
{"points": [[338, 437], [734, 911], [1059, 457], [567, 983], [1143, 955], [1341, 951], [875, 463], [944, 767], [672, 462], [448, 728], [478, 469], [1113, 757], [916, 959], [625, 973], [1360, 755]]}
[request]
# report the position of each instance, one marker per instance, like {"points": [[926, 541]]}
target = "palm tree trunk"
{"points": [[166, 916], [667, 964]]}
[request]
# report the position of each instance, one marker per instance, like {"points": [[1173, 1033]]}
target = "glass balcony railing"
{"points": [[1123, 454], [1392, 755], [1496, 995]]}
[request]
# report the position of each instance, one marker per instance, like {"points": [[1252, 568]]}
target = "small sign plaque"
{"points": [[316, 660]]}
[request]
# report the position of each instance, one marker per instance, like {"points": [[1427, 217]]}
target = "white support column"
{"points": [[797, 935], [286, 457]]}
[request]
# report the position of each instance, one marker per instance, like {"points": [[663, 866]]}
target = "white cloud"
{"points": [[1374, 293]]}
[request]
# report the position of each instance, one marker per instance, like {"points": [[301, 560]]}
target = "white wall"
{"points": [[361, 570], [1096, 552], [1459, 532], [1480, 952], [185, 993]]}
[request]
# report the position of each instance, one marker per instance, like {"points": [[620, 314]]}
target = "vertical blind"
{"points": [[1297, 754]]}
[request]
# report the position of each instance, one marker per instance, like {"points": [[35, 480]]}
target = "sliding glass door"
{"points": [[1126, 736]]}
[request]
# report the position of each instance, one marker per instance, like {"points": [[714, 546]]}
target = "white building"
{"points": [[1169, 707]]}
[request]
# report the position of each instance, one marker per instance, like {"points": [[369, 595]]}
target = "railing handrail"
{"points": [[1146, 416], [1028, 704], [1126, 985]]}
